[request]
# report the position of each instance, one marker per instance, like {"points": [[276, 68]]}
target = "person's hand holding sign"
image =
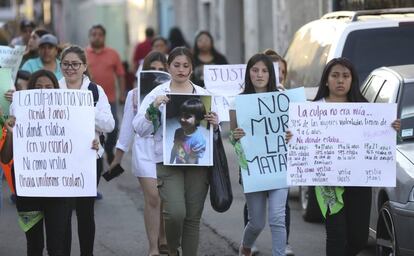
{"points": [[95, 144], [238, 133], [162, 99], [212, 118]]}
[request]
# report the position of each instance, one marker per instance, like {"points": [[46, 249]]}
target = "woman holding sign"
{"points": [[183, 189], [74, 67], [346, 209], [54, 212], [260, 78], [142, 166]]}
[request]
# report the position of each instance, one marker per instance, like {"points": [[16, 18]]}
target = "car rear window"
{"points": [[407, 111], [372, 48]]}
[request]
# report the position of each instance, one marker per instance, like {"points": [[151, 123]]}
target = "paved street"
{"points": [[121, 232]]}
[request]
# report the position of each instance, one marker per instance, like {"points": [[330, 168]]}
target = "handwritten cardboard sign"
{"points": [[52, 142], [225, 82], [342, 144], [11, 58], [264, 118]]}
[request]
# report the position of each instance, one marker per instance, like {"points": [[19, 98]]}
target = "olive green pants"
{"points": [[183, 190]]}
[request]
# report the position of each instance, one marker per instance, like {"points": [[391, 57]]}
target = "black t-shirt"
{"points": [[198, 76]]}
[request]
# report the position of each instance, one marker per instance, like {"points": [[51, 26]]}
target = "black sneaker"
{"points": [[99, 196]]}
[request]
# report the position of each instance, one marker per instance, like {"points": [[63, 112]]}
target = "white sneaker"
{"points": [[255, 250], [289, 251]]}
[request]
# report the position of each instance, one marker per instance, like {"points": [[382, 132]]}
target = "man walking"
{"points": [[105, 66]]}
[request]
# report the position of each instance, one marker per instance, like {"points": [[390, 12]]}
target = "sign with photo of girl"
{"points": [[188, 138]]}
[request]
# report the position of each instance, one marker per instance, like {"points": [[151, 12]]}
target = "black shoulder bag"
{"points": [[221, 195]]}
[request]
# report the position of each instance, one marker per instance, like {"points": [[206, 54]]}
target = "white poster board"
{"points": [[52, 142], [225, 82], [342, 144]]}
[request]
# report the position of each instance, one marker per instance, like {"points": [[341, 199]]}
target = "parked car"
{"points": [[369, 39], [392, 212]]}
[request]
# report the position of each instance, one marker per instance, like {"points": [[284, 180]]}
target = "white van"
{"points": [[369, 39]]}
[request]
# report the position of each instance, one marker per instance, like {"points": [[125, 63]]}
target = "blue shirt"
{"points": [[188, 147], [35, 64]]}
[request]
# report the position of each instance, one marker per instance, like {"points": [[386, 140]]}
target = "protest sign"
{"points": [[52, 142], [225, 82], [6, 83], [149, 79], [228, 80], [11, 58], [187, 138], [264, 118], [342, 144]]}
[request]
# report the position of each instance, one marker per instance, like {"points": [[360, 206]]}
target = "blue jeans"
{"points": [[256, 203]]}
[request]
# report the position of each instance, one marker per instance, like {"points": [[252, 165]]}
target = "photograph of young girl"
{"points": [[187, 136]]}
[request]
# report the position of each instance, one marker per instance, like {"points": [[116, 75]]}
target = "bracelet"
{"points": [[154, 115]]}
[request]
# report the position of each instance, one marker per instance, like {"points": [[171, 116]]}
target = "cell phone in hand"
{"points": [[114, 172]]}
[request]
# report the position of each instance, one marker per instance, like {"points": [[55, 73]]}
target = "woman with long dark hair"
{"points": [[205, 54], [35, 212], [346, 209], [260, 78], [183, 189]]}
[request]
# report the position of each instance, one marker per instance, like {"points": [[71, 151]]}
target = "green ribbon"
{"points": [[28, 219], [154, 115], [329, 198], [241, 156]]}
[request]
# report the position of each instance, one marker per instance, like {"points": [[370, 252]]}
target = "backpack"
{"points": [[95, 93], [94, 89]]}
